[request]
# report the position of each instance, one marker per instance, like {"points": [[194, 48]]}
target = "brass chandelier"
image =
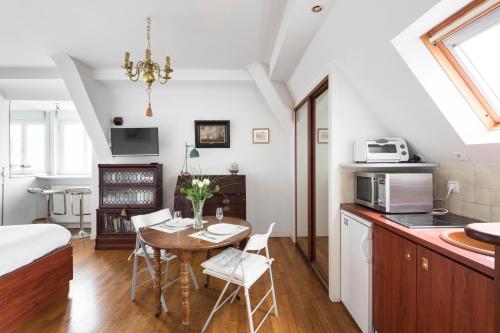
{"points": [[149, 70]]}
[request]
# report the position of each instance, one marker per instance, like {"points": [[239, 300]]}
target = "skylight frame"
{"points": [[435, 40]]}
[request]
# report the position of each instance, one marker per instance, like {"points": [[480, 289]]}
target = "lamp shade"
{"points": [[194, 153]]}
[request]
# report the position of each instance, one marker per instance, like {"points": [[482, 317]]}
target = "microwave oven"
{"points": [[395, 192]]}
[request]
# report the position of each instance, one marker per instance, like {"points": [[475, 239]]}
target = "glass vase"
{"points": [[198, 214]]}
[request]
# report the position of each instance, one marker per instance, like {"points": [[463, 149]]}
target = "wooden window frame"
{"points": [[452, 67]]}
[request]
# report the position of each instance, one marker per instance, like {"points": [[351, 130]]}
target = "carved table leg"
{"points": [[184, 260], [157, 280]]}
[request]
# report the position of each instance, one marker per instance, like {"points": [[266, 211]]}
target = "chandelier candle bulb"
{"points": [[127, 56], [168, 62], [148, 54]]}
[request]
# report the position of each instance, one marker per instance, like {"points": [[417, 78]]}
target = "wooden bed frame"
{"points": [[29, 289]]}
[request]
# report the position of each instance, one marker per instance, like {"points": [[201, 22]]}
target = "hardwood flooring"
{"points": [[99, 299]]}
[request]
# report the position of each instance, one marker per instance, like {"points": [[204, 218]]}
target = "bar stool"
{"points": [[81, 192], [50, 201]]}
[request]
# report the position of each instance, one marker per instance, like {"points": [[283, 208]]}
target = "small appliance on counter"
{"points": [[386, 150], [395, 192]]}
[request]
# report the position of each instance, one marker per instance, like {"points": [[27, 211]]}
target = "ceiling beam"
{"points": [[298, 27], [85, 93], [111, 74], [29, 73], [276, 96]]}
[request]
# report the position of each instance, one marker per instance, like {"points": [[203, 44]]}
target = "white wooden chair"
{"points": [[147, 252], [243, 269]]}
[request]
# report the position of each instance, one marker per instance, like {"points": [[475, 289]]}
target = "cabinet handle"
{"points": [[425, 263], [346, 221], [226, 201], [226, 209], [407, 254]]}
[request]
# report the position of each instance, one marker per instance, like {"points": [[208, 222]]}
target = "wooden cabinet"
{"points": [[231, 197], [394, 282], [419, 290], [125, 190], [451, 297]]}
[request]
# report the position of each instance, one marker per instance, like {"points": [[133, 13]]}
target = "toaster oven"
{"points": [[387, 150]]}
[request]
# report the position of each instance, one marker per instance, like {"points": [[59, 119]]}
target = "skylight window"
{"points": [[467, 46]]}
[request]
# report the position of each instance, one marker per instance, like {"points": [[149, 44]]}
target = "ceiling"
{"points": [[198, 34]]}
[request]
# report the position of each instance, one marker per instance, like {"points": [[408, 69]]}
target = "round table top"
{"points": [[181, 240]]}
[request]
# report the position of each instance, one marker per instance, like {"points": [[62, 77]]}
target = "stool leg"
{"points": [[82, 233]]}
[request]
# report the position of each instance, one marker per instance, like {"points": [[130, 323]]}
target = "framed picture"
{"points": [[212, 133], [322, 135], [260, 135]]}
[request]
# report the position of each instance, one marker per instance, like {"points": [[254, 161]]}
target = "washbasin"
{"points": [[460, 239]]}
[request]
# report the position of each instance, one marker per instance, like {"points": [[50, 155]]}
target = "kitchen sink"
{"points": [[460, 239]]}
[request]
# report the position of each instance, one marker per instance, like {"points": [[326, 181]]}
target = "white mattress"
{"points": [[23, 244]]}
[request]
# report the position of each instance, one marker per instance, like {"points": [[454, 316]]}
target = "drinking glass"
{"points": [[219, 214], [177, 219]]}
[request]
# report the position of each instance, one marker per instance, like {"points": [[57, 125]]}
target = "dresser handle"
{"points": [[407, 254], [425, 263], [226, 201]]}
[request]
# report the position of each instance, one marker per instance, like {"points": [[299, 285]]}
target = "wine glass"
{"points": [[219, 214]]}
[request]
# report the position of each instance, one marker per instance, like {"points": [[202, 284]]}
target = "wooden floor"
{"points": [[99, 299]]}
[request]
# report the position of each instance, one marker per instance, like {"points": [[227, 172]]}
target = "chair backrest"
{"points": [[259, 241], [147, 220]]}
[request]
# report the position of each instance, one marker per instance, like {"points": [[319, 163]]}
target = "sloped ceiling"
{"points": [[356, 36]]}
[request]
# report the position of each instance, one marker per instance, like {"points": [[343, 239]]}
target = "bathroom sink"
{"points": [[460, 239]]}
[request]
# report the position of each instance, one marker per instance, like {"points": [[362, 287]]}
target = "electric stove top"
{"points": [[422, 221]]}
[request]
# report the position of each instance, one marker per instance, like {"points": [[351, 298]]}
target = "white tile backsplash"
{"points": [[479, 195]]}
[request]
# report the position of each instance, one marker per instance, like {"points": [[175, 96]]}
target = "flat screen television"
{"points": [[134, 141]]}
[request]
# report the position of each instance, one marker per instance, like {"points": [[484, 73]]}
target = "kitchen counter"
{"points": [[428, 238]]}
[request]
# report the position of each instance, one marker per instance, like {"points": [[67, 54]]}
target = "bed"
{"points": [[36, 265]]}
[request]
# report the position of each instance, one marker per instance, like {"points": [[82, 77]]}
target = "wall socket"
{"points": [[453, 186]]}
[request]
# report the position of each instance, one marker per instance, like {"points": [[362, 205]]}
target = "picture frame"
{"points": [[212, 134], [322, 135], [260, 135]]}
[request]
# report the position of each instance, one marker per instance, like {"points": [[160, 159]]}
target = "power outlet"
{"points": [[453, 186]]}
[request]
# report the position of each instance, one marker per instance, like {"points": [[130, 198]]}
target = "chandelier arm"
{"points": [[135, 76], [157, 71]]}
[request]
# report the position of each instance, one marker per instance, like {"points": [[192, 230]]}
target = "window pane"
{"points": [[16, 148], [35, 148], [76, 153], [479, 55]]}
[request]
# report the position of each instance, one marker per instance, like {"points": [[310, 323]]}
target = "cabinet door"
{"points": [[452, 297], [394, 282]]}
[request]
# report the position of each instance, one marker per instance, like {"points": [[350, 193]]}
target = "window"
{"points": [[28, 142], [467, 46], [47, 141], [75, 154]]}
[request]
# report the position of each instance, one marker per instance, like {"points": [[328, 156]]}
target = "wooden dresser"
{"points": [[232, 197], [125, 190]]}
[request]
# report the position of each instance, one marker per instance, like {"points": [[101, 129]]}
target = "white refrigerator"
{"points": [[356, 269]]}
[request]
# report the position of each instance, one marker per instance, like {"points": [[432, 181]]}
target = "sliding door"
{"points": [[302, 167], [311, 179], [320, 112]]}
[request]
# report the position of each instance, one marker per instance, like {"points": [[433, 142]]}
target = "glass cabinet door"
{"points": [[302, 178]]}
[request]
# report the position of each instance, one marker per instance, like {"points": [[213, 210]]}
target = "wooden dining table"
{"points": [[185, 245]]}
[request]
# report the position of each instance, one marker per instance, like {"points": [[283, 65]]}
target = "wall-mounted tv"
{"points": [[134, 141]]}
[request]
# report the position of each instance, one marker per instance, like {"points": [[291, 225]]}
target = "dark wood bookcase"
{"points": [[232, 197], [125, 190]]}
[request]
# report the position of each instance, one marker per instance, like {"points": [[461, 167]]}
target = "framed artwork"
{"points": [[212, 133], [322, 135], [260, 135]]}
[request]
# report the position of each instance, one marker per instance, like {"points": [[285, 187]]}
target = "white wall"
{"points": [[356, 36], [20, 206], [178, 104]]}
